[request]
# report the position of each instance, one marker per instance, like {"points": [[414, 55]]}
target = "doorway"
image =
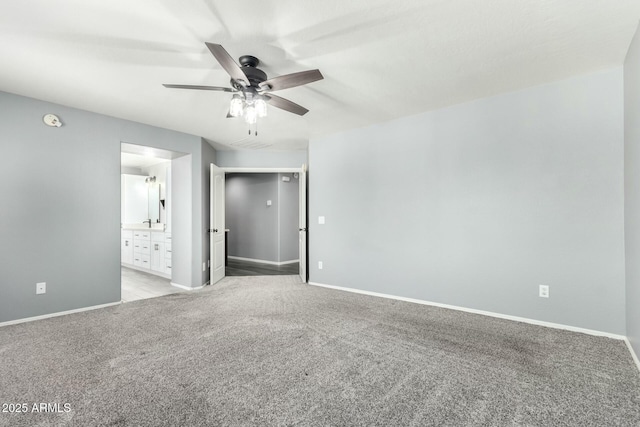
{"points": [[261, 227], [146, 222], [260, 259]]}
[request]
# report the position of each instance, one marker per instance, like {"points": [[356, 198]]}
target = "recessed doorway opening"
{"points": [[261, 227], [146, 222], [267, 256]]}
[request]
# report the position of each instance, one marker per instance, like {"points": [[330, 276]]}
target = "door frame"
{"points": [[303, 169]]}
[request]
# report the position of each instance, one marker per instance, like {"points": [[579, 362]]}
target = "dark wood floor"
{"points": [[246, 268]]}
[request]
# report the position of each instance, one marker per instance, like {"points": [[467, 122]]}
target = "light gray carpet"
{"points": [[271, 351]]}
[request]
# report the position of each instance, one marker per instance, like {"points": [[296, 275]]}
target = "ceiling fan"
{"points": [[251, 88]]}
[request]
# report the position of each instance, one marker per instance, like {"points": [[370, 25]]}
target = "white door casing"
{"points": [[217, 224], [217, 221], [302, 220]]}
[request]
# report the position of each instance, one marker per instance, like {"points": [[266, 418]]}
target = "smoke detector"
{"points": [[52, 120]]}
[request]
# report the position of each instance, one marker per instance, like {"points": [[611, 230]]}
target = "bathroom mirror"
{"points": [[140, 200], [154, 203], [135, 199]]}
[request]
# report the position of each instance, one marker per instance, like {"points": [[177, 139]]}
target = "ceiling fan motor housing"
{"points": [[254, 75]]}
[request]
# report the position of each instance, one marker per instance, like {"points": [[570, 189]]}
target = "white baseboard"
{"points": [[187, 288], [261, 261], [482, 312], [59, 313], [633, 353]]}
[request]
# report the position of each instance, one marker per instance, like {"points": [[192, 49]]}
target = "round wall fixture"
{"points": [[52, 120]]}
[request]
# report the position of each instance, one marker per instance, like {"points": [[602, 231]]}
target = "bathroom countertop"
{"points": [[141, 228]]}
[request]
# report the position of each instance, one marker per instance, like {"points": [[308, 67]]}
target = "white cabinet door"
{"points": [[158, 257], [126, 251]]}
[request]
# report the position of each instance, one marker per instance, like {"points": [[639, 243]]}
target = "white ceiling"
{"points": [[381, 59]]}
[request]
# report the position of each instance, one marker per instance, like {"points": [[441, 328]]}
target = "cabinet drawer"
{"points": [[141, 260], [144, 248], [142, 235], [167, 237], [157, 236], [127, 234], [167, 269], [167, 247]]}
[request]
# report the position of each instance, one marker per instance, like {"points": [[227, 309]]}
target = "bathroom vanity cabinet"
{"points": [[147, 250]]}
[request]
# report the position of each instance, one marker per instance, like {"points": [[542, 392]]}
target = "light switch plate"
{"points": [[320, 220], [268, 202]]}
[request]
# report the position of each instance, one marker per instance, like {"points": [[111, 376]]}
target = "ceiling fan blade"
{"points": [[291, 80], [228, 63], [286, 105], [217, 88]]}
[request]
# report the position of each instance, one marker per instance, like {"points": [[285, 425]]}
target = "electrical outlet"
{"points": [[544, 291], [41, 288], [319, 265]]}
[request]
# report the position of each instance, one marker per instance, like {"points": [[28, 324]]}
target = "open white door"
{"points": [[216, 231], [302, 219]]}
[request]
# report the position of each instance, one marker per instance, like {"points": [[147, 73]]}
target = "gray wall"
{"points": [[632, 189], [477, 204], [288, 216], [253, 226], [182, 271], [60, 220], [262, 159]]}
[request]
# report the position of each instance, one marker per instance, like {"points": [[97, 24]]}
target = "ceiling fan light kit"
{"points": [[248, 106], [252, 89]]}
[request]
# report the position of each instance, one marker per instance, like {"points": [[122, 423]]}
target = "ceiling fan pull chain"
{"points": [[255, 129]]}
